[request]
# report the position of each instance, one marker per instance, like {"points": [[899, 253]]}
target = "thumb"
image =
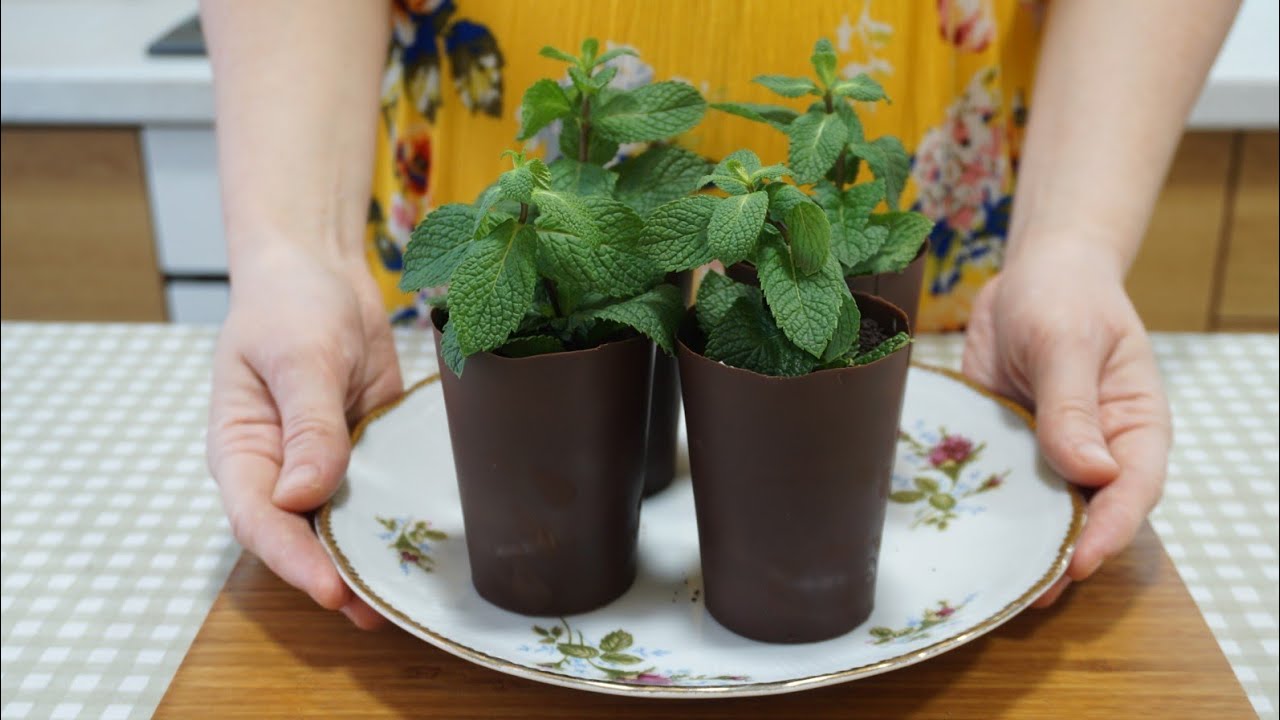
{"points": [[1066, 395], [314, 436]]}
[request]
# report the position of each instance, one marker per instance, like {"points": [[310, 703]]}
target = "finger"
{"points": [[1065, 381], [314, 432], [385, 387], [362, 616], [1051, 595], [283, 540]]}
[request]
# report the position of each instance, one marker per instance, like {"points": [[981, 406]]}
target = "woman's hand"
{"points": [[305, 351], [1056, 332]]}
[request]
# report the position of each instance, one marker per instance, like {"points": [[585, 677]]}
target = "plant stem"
{"points": [[829, 102], [550, 287], [786, 234], [524, 213], [584, 131], [840, 171]]}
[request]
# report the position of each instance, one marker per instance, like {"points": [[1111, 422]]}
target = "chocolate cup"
{"points": [[900, 288], [549, 452], [664, 409], [791, 480]]}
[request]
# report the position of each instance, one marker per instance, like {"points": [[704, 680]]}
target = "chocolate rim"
{"points": [[325, 531], [638, 337]]}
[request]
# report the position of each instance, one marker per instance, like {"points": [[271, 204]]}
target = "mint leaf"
{"points": [[735, 226], [656, 314], [889, 162], [904, 233], [733, 172], [600, 149], [549, 52], [716, 294], [675, 234], [591, 243], [805, 305], [543, 102], [531, 345], [845, 336], [783, 197], [518, 183], [658, 175], [590, 49], [650, 112], [859, 87], [824, 61], [810, 236], [770, 173], [437, 246], [449, 350], [615, 53], [884, 349], [746, 337], [849, 213], [774, 115], [816, 141], [569, 175], [788, 86], [493, 287]]}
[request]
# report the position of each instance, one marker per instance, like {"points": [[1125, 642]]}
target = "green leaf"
{"points": [[942, 501], [449, 350], [735, 226], [591, 243], [927, 485], [438, 244], [579, 178], [771, 173], [859, 87], [810, 236], [590, 49], [783, 197], [884, 349], [816, 141], [746, 337], [846, 333], [889, 162], [849, 213], [549, 52], [733, 173], [824, 61], [615, 641], [656, 314], [543, 102], [881, 632], [787, 86], [531, 345], [904, 233], [615, 53], [620, 658], [493, 287], [518, 183], [906, 496], [675, 234], [805, 305], [600, 149], [540, 630], [716, 294], [579, 651], [658, 175], [650, 112], [775, 115]]}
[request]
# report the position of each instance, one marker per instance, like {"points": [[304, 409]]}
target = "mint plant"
{"points": [[826, 149], [534, 270], [596, 118], [802, 317]]}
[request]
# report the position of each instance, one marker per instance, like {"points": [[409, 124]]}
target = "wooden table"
{"points": [[1128, 643]]}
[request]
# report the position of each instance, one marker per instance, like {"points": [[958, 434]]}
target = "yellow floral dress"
{"points": [[958, 73]]}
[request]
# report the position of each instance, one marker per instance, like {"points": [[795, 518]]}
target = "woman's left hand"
{"points": [[1056, 332]]}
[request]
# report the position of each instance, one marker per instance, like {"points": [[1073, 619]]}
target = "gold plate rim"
{"points": [[1055, 570]]}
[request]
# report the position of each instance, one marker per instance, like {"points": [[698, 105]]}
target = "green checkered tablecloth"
{"points": [[114, 545]]}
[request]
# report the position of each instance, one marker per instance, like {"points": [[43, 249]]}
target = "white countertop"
{"points": [[84, 61]]}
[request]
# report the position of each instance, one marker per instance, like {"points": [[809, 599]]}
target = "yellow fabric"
{"points": [[955, 70]]}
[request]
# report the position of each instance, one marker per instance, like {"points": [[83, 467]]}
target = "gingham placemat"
{"points": [[114, 545]]}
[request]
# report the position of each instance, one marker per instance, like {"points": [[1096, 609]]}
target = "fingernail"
{"points": [[1094, 453], [299, 478], [349, 613]]}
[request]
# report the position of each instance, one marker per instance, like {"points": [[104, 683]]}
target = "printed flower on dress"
{"points": [[475, 60], [413, 161], [967, 24]]}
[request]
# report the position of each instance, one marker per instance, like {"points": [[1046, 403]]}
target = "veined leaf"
{"points": [[438, 244], [493, 287], [816, 140]]}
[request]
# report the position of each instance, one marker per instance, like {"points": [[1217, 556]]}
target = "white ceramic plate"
{"points": [[977, 528]]}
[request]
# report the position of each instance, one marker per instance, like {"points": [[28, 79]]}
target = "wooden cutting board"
{"points": [[1128, 643]]}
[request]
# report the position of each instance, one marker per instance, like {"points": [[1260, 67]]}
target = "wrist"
{"points": [[250, 253], [1072, 249]]}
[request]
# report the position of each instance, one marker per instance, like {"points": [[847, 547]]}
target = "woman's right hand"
{"points": [[305, 351]]}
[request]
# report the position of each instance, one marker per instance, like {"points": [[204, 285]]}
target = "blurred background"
{"points": [[110, 187]]}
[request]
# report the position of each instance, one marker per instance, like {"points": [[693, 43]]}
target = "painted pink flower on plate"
{"points": [[954, 449]]}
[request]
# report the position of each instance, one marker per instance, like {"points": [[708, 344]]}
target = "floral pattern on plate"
{"points": [[943, 479], [411, 539], [918, 628]]}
